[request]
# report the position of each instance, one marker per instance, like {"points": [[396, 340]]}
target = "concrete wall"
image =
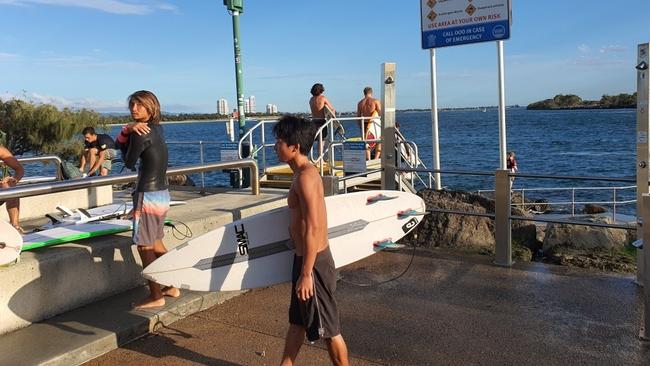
{"points": [[53, 280], [38, 206]]}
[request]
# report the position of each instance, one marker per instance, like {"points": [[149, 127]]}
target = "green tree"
{"points": [[43, 129]]}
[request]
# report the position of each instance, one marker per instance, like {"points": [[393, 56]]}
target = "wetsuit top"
{"points": [[102, 143], [151, 149]]}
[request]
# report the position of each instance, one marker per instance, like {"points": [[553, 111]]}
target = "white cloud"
{"points": [[7, 56], [613, 48], [108, 6], [596, 62], [88, 62], [63, 102], [583, 48]]}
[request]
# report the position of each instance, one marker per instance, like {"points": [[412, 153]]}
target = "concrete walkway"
{"points": [[446, 310]]}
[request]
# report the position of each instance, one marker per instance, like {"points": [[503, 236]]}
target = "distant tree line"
{"points": [[174, 117], [38, 129], [44, 129], [571, 101]]}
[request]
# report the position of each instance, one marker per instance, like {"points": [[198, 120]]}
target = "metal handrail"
{"points": [[69, 185], [573, 201], [43, 159], [249, 136], [356, 175], [201, 152]]}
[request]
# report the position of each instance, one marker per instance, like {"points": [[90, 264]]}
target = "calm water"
{"points": [[582, 143]]}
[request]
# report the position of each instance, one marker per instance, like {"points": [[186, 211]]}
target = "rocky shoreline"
{"points": [[598, 248]]}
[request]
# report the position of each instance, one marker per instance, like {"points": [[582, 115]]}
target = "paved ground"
{"points": [[445, 310]]}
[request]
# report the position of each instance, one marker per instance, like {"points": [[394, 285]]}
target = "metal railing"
{"points": [[42, 159], [201, 144], [69, 185], [502, 201], [254, 150], [573, 202]]}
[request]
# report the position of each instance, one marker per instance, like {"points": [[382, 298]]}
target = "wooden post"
{"points": [[388, 156], [502, 227], [644, 333]]}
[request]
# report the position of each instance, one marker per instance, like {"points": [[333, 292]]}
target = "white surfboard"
{"points": [[79, 216], [11, 243], [255, 251]]}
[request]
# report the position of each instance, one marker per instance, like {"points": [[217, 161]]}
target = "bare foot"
{"points": [[171, 291], [148, 303]]}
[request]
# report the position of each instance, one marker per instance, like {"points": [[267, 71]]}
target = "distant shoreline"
{"points": [[572, 101]]}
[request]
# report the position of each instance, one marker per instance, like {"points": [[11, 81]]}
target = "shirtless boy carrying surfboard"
{"points": [[313, 311]]}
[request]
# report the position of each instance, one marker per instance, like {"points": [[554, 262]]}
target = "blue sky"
{"points": [[94, 53]]}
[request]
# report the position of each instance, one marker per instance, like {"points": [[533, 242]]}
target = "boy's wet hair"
{"points": [[317, 89], [295, 131]]}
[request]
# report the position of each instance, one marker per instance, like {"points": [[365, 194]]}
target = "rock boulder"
{"points": [[584, 237], [463, 231]]}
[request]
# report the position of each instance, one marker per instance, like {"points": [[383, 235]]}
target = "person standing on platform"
{"points": [[312, 311], [151, 196], [7, 181], [511, 165], [371, 108], [317, 104]]}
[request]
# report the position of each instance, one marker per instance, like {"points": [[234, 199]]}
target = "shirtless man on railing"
{"points": [[317, 105], [370, 107]]}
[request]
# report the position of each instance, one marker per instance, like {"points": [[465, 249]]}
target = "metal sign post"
{"points": [[502, 108], [642, 149], [456, 22], [434, 121]]}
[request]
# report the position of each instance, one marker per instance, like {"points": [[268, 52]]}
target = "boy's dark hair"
{"points": [[317, 89], [295, 131], [88, 130]]}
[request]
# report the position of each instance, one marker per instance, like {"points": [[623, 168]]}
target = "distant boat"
{"points": [[484, 109]]}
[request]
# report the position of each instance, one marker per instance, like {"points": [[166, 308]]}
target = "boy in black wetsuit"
{"points": [[313, 311], [151, 196]]}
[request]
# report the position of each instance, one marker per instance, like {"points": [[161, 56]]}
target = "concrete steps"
{"points": [[82, 334]]}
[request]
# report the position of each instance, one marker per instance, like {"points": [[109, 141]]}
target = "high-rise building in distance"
{"points": [[251, 101], [271, 109], [222, 107], [249, 105]]}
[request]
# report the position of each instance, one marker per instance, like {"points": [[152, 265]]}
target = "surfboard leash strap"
{"points": [[176, 232], [358, 284], [4, 245]]}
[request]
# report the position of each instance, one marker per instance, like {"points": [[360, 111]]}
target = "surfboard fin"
{"points": [[379, 197], [408, 213], [53, 219], [66, 211], [387, 244]]}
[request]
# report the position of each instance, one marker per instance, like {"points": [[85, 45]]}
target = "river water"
{"points": [[597, 143]]}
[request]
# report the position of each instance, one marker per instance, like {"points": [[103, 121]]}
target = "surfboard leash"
{"points": [[358, 284], [187, 234]]}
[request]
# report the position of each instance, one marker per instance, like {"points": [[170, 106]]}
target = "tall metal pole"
{"points": [[502, 108], [434, 120], [238, 73], [642, 152], [388, 105]]}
